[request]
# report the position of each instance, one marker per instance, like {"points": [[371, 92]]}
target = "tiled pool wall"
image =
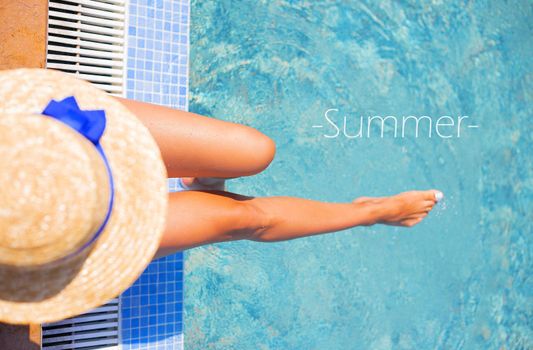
{"points": [[157, 72]]}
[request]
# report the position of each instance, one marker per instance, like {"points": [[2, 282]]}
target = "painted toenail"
{"points": [[438, 196]]}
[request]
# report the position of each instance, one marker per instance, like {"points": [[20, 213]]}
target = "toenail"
{"points": [[438, 196]]}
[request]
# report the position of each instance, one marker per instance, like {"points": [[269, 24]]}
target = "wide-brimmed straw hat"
{"points": [[81, 216]]}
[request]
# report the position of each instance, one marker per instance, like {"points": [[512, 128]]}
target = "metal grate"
{"points": [[97, 329], [87, 38]]}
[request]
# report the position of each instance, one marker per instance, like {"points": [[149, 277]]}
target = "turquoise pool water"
{"points": [[459, 280]]}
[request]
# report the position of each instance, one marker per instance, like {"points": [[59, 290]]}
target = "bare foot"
{"points": [[404, 209], [204, 183]]}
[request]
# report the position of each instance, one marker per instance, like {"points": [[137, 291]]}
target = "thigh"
{"points": [[194, 145]]}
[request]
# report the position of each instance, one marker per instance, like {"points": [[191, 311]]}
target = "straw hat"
{"points": [[73, 234]]}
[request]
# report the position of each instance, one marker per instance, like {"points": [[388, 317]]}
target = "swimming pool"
{"points": [[459, 280]]}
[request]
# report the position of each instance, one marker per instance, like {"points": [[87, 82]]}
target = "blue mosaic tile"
{"points": [[152, 308]]}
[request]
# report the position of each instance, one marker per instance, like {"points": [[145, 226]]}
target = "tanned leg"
{"points": [[201, 217], [196, 146]]}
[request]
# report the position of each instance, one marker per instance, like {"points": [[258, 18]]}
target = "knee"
{"points": [[262, 150], [265, 151], [256, 222]]}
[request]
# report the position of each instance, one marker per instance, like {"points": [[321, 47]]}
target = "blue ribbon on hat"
{"points": [[91, 125]]}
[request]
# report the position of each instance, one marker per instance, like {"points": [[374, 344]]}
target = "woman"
{"points": [[84, 206], [205, 151]]}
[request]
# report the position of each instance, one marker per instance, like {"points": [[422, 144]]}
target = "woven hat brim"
{"points": [[132, 235]]}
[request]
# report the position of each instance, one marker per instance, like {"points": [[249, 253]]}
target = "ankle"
{"points": [[373, 210]]}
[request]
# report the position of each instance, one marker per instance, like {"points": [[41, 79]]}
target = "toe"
{"points": [[429, 203], [187, 181], [413, 222], [437, 195]]}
